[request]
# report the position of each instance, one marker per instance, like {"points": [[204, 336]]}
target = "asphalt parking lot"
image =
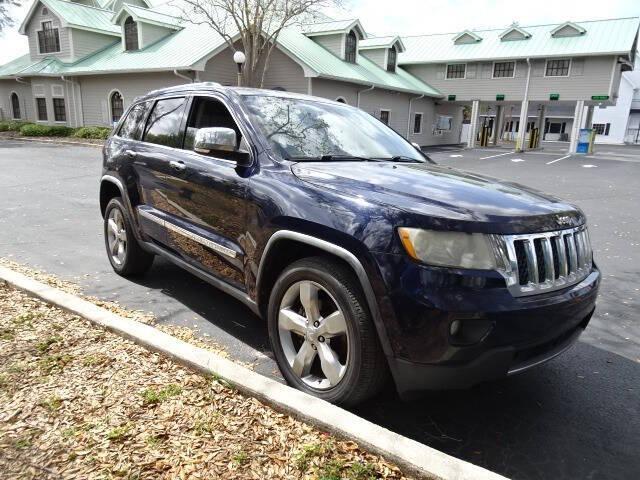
{"points": [[576, 417]]}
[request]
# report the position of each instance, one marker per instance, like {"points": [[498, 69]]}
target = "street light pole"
{"points": [[239, 58]]}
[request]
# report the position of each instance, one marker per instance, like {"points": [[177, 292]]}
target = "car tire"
{"points": [[123, 250], [346, 368]]}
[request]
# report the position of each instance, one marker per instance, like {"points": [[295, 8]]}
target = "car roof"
{"points": [[204, 87]]}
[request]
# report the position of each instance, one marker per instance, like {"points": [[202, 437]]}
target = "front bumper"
{"points": [[499, 334]]}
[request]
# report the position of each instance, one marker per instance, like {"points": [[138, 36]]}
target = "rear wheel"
{"points": [[125, 254], [322, 335]]}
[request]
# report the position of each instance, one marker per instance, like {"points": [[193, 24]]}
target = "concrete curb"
{"points": [[415, 458]]}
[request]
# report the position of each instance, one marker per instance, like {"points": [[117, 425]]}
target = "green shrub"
{"points": [[32, 130], [12, 125], [93, 132]]}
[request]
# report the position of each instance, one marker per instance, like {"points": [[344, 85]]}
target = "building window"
{"points": [[351, 47], [417, 123], [391, 59], [456, 70], [117, 106], [41, 108], [504, 69], [130, 34], [45, 11], [48, 38], [59, 112], [384, 116], [15, 105], [558, 68], [602, 128]]}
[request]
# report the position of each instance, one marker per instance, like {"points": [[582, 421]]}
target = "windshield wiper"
{"points": [[333, 158]]}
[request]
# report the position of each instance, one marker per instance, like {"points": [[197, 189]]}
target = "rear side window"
{"points": [[165, 122], [132, 125]]}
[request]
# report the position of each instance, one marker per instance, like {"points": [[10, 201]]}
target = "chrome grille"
{"points": [[542, 262]]}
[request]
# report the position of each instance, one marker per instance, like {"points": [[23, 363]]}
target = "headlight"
{"points": [[451, 249]]}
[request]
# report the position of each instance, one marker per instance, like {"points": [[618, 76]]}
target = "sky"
{"points": [[415, 17]]}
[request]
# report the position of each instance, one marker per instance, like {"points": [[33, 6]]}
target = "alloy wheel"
{"points": [[313, 335], [116, 236]]}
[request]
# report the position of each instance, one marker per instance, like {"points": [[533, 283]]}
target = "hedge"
{"points": [[31, 130], [92, 132], [12, 125]]}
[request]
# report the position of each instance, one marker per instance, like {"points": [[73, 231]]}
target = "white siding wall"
{"points": [[377, 56], [24, 95], [85, 43], [149, 34], [35, 24], [97, 89], [589, 76], [333, 43]]}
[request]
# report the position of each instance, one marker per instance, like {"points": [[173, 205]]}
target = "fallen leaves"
{"points": [[79, 402]]}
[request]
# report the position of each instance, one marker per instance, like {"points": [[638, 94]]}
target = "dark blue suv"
{"points": [[366, 258]]}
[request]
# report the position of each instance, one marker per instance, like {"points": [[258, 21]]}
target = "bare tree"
{"points": [[254, 24], [7, 18]]}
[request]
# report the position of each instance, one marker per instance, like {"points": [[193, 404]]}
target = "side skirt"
{"points": [[212, 280]]}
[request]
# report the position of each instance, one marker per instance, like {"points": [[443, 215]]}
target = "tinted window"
{"points": [[205, 113], [299, 129], [132, 125], [163, 125]]}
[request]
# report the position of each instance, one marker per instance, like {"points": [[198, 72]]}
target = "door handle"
{"points": [[177, 165], [131, 153]]}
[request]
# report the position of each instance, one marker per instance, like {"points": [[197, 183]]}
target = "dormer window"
{"points": [[466, 37], [568, 29], [351, 47], [391, 59], [48, 38], [130, 34]]}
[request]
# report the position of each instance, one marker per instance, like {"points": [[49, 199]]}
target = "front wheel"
{"points": [[322, 335], [125, 254]]}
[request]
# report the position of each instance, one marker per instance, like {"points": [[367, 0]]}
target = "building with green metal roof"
{"points": [[89, 59]]}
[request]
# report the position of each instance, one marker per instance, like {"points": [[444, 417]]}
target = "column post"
{"points": [[522, 131], [541, 124], [475, 115], [578, 117], [497, 125]]}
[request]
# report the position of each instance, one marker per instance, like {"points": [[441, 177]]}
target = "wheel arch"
{"points": [[267, 275], [110, 187]]}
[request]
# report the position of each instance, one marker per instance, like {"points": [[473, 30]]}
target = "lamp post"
{"points": [[239, 58]]}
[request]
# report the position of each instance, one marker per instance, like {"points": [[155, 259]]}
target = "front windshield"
{"points": [[307, 130]]}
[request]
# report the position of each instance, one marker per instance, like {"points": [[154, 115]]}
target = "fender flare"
{"points": [[351, 260]]}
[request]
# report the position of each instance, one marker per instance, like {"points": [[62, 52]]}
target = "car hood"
{"points": [[443, 196]]}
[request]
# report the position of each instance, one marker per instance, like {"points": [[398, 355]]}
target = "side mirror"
{"points": [[223, 141]]}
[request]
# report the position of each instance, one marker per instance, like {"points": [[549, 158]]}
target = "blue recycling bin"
{"points": [[585, 141]]}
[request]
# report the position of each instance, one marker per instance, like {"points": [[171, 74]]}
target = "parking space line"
{"points": [[558, 159], [498, 155]]}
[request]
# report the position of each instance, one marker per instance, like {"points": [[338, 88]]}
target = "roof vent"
{"points": [[568, 29], [514, 32], [466, 37]]}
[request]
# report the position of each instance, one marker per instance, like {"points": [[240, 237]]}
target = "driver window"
{"points": [[208, 112]]}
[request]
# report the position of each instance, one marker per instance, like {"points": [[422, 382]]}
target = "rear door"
{"points": [[199, 197]]}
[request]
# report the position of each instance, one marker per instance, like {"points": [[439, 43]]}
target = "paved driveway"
{"points": [[576, 417]]}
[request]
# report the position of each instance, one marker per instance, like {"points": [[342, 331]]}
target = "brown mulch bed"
{"points": [[79, 402], [65, 140]]}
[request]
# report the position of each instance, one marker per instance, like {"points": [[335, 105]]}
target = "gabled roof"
{"points": [[467, 33], [145, 15], [333, 27], [514, 28], [381, 42], [76, 15], [604, 37], [578, 29]]}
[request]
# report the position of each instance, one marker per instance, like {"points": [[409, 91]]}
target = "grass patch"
{"points": [[332, 470], [51, 363], [119, 433], [361, 471], [151, 396], [46, 343], [52, 403], [240, 458], [307, 453], [7, 334]]}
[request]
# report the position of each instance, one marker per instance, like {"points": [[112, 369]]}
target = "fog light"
{"points": [[454, 329]]}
